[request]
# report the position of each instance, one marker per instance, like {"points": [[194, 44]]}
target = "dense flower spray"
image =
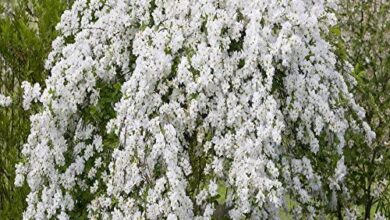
{"points": [[219, 98]]}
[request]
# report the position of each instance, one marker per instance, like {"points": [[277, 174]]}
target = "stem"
{"points": [[369, 203], [367, 211], [339, 213]]}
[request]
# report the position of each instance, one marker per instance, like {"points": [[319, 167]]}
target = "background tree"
{"points": [[363, 39], [27, 28]]}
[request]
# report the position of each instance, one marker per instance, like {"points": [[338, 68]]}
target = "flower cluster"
{"points": [[5, 100], [234, 96], [31, 94]]}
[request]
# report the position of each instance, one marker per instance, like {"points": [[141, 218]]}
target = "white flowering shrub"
{"points": [[190, 109]]}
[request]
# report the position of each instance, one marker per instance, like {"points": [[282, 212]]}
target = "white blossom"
{"points": [[379, 216], [31, 94], [5, 101], [230, 90]]}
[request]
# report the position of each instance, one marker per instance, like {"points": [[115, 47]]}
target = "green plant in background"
{"points": [[362, 38], [27, 28]]}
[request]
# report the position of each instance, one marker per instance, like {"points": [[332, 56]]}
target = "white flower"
{"points": [[379, 216], [350, 214], [213, 186], [31, 94], [5, 101]]}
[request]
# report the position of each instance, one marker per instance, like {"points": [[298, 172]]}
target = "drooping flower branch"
{"points": [[224, 105]]}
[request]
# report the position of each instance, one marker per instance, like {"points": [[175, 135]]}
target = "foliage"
{"points": [[26, 32], [363, 39]]}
